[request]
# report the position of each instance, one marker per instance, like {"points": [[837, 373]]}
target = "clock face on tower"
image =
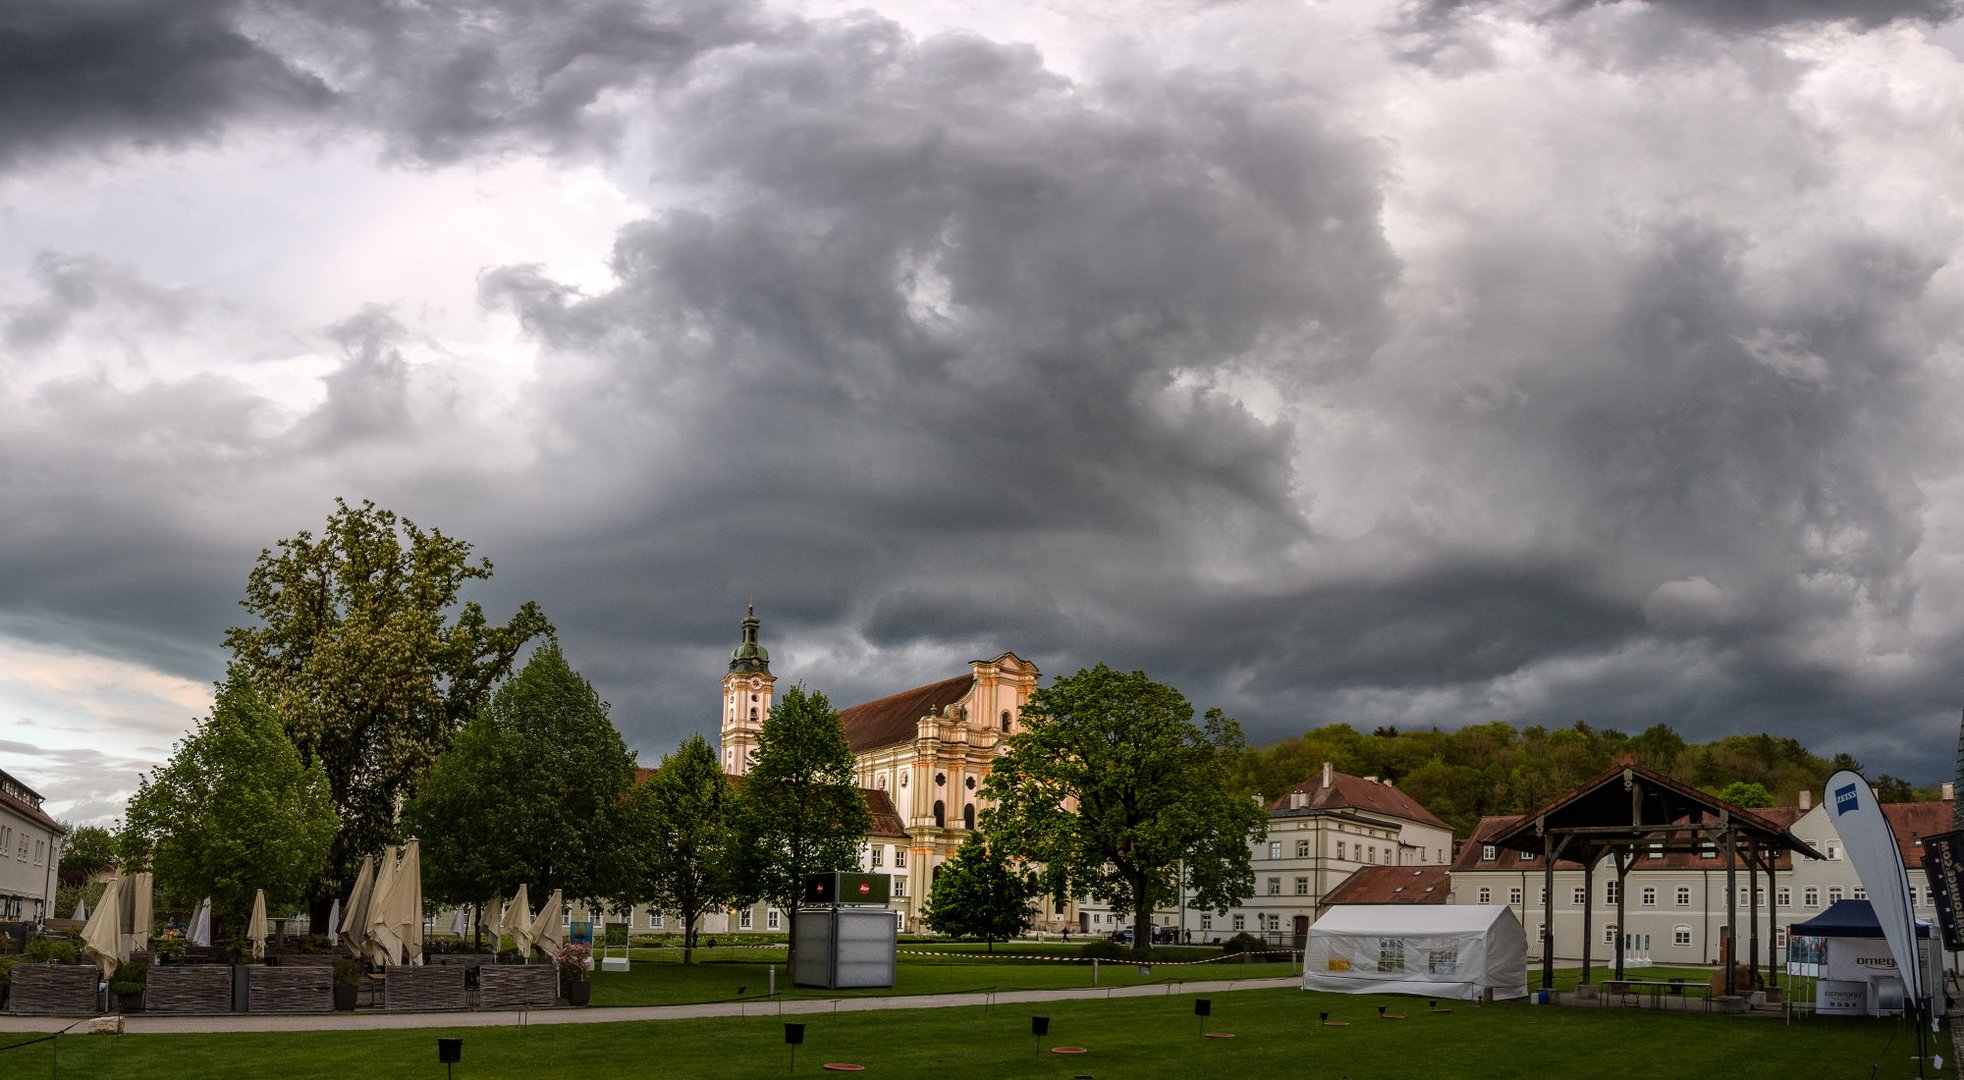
{"points": [[756, 683]]}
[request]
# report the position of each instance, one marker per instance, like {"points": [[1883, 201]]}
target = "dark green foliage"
{"points": [[1114, 791], [681, 838], [1104, 948], [530, 793], [347, 972], [371, 660], [86, 849], [801, 811], [978, 894], [1485, 769], [235, 810], [51, 950], [1750, 796]]}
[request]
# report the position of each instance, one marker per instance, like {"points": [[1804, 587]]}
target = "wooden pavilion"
{"points": [[1629, 808]]}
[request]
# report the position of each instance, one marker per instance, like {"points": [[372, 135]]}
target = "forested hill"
{"points": [[1496, 769]]}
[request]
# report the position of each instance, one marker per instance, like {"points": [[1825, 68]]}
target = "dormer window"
{"points": [[1486, 853]]}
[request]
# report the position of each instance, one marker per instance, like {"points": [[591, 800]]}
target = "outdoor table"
{"points": [[1655, 988]]}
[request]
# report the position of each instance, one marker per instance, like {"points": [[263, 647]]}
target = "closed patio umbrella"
{"points": [[256, 926], [354, 922], [142, 888], [81, 910], [384, 943], [334, 922], [548, 933], [102, 936], [201, 925], [492, 920], [409, 902], [518, 923]]}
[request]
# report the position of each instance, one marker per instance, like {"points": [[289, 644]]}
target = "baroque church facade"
{"points": [[921, 756]]}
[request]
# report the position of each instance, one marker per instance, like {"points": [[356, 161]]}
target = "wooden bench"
{"points": [[517, 986], [439, 988], [290, 989], [55, 990], [189, 988]]}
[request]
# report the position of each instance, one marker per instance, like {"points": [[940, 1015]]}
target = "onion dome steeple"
{"points": [[750, 656]]}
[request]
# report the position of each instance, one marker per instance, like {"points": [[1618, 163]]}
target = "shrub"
{"points": [[51, 950], [347, 972], [572, 961], [131, 978], [7, 967], [1106, 949], [1243, 943]]}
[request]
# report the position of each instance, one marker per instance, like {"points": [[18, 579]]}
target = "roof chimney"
{"points": [[1806, 798], [1298, 799], [1326, 774], [1950, 791]]}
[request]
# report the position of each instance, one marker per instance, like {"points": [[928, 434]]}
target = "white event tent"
{"points": [[1437, 950]]}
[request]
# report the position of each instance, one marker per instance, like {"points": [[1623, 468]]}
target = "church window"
{"points": [[940, 814], [969, 783], [1005, 719], [968, 816], [903, 779], [753, 714], [880, 782], [940, 779]]}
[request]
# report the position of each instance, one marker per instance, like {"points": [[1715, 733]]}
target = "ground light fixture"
{"points": [[1039, 1027], [794, 1037], [449, 1051]]}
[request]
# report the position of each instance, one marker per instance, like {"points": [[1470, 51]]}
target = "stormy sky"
{"points": [[1386, 362]]}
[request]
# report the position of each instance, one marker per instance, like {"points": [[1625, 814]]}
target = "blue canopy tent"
{"points": [[1858, 978]]}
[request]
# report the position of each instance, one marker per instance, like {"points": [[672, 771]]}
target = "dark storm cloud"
{"points": [[1744, 14], [75, 284], [93, 75]]}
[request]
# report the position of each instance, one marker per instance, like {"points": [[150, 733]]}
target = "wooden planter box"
{"points": [[440, 988], [55, 990], [517, 986], [189, 988], [290, 989]]}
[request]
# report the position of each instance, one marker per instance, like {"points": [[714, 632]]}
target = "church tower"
{"points": [[746, 698]]}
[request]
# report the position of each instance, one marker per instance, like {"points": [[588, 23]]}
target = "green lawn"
{"points": [[1277, 1034], [726, 974]]}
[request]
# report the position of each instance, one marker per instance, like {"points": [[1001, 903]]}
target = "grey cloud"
{"points": [[73, 284], [83, 76], [1743, 14]]}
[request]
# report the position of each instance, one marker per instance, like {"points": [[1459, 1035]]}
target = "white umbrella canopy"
{"points": [[409, 901], [256, 931], [518, 922], [142, 896], [81, 910], [102, 936], [384, 943], [334, 922], [201, 925], [548, 933], [354, 922], [460, 921], [493, 919]]}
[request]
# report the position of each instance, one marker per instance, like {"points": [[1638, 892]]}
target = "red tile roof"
{"points": [[32, 813], [1910, 821], [1393, 885], [886, 819], [893, 719], [1347, 792]]}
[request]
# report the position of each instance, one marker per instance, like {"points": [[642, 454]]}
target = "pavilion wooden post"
{"points": [[1731, 903], [1774, 964], [1553, 851], [1590, 853], [1752, 919], [1624, 859]]}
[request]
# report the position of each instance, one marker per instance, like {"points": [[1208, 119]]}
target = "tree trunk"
{"points": [[1141, 915], [791, 945], [477, 926], [318, 910], [689, 936]]}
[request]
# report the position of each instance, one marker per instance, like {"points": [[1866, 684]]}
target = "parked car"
{"points": [[1161, 935]]}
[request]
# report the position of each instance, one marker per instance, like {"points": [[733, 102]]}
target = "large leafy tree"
{"points": [[530, 793], [371, 662], [86, 849], [234, 810], [978, 894], [801, 811], [681, 838], [1115, 791]]}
